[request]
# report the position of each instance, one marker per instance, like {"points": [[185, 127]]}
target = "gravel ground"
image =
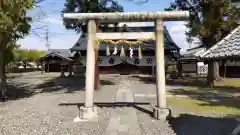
{"points": [[183, 121], [38, 111], [41, 114]]}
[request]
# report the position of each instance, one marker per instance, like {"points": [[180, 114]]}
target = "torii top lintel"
{"points": [[129, 16]]}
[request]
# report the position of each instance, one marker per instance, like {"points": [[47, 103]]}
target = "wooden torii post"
{"points": [[160, 111]]}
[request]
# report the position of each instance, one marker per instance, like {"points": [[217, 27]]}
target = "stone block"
{"points": [[88, 113], [161, 113]]}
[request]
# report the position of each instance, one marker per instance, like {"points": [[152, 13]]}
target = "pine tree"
{"points": [[93, 6], [86, 6], [210, 21]]}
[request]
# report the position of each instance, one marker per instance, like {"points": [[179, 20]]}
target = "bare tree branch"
{"points": [[38, 1]]}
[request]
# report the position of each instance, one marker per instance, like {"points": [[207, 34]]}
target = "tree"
{"points": [[210, 21], [24, 55], [85, 6], [14, 24]]}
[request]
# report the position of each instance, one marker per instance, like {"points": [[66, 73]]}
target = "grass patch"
{"points": [[228, 86], [226, 106], [217, 90], [230, 82], [48, 77]]}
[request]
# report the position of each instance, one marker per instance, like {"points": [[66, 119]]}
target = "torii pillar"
{"points": [[160, 111]]}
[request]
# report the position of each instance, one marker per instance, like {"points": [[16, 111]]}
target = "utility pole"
{"points": [[47, 39]]}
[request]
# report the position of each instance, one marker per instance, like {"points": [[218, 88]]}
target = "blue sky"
{"points": [[49, 14]]}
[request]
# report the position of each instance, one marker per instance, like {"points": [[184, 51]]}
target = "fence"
{"points": [[203, 70]]}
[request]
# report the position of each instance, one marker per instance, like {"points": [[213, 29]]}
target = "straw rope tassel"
{"points": [[139, 52], [131, 51], [108, 51], [115, 50], [122, 53]]}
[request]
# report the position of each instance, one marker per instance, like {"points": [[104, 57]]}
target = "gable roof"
{"points": [[55, 55], [61, 53], [81, 44], [197, 51], [193, 53], [228, 46]]}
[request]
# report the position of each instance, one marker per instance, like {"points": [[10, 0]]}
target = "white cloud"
{"points": [[57, 42], [53, 21], [179, 28], [177, 32]]}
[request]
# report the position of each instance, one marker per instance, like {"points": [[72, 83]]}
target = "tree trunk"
{"points": [[2, 70], [25, 64], [210, 76], [216, 71], [213, 73], [97, 78]]}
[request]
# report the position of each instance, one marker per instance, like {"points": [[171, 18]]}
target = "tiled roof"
{"points": [[169, 43], [194, 52], [63, 52], [55, 55], [228, 46]]}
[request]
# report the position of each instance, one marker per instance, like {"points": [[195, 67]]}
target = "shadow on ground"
{"points": [[17, 92], [188, 81], [136, 105], [187, 124], [69, 84], [174, 82], [209, 98]]}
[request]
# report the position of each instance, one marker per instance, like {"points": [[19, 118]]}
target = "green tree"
{"points": [[210, 21], [94, 6], [85, 6], [9, 52], [34, 55], [14, 24], [24, 55]]}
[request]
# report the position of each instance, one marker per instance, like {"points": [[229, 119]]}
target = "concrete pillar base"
{"points": [[62, 75], [88, 113], [161, 113]]}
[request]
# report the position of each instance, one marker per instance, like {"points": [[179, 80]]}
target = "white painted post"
{"points": [[160, 111], [90, 64]]}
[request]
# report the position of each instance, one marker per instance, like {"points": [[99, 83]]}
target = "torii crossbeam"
{"points": [[160, 111]]}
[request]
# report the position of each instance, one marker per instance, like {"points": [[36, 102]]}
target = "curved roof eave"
{"points": [[81, 44]]}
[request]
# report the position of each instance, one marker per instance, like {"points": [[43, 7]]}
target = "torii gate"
{"points": [[160, 111]]}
